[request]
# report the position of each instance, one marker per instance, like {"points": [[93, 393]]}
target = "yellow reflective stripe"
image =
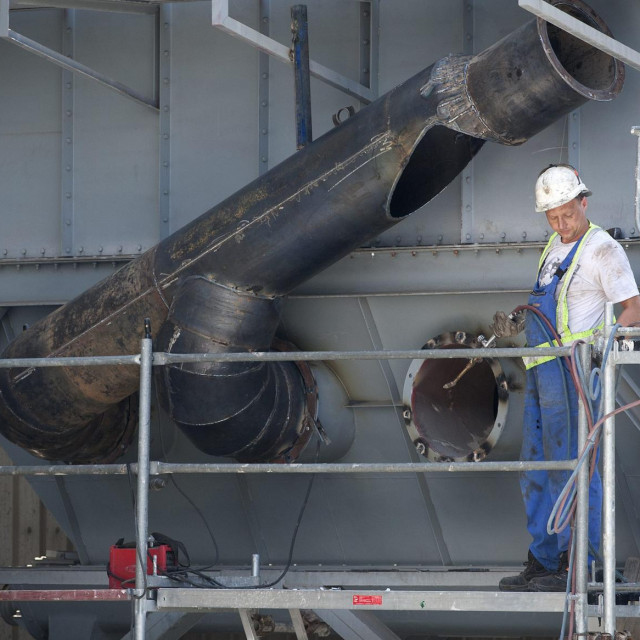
{"points": [[545, 251], [562, 307], [567, 339]]}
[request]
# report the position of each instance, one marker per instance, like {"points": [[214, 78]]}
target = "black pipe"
{"points": [[306, 213], [302, 77]]}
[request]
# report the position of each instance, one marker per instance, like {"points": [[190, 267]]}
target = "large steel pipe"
{"points": [[340, 191]]}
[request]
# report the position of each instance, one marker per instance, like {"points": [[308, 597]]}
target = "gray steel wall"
{"points": [[82, 168]]}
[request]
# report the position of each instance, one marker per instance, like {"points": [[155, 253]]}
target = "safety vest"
{"points": [[562, 307]]}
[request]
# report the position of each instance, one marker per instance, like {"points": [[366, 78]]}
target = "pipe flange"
{"points": [[455, 408]]}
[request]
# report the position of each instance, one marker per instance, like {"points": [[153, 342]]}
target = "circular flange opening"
{"points": [[464, 421], [579, 63]]}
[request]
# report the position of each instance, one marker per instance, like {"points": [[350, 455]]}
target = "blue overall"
{"points": [[550, 429]]}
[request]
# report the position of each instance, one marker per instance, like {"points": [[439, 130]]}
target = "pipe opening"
{"points": [[461, 423], [440, 155], [586, 65]]}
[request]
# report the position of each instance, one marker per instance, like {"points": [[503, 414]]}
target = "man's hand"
{"points": [[505, 326]]}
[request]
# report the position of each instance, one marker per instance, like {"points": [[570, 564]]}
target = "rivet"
{"points": [[165, 108], [100, 249], [467, 179], [67, 250], [81, 250], [264, 103], [165, 219], [165, 192], [4, 253], [43, 251], [68, 140], [264, 132], [68, 85], [524, 234], [24, 252], [468, 236], [67, 222], [263, 159], [139, 247], [68, 167], [265, 75], [165, 52], [165, 80], [468, 207], [166, 25], [67, 196], [120, 249], [68, 112], [165, 136], [365, 70], [165, 164]]}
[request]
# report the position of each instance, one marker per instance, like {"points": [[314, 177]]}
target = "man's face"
{"points": [[569, 220]]}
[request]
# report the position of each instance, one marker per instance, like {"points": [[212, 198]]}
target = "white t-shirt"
{"points": [[603, 274]]}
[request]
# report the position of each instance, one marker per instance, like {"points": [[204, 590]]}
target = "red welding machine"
{"points": [[122, 563]]}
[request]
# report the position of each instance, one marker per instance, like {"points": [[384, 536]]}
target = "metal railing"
{"points": [[145, 468]]}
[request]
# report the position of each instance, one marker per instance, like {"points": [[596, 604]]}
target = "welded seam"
{"points": [[172, 277]]}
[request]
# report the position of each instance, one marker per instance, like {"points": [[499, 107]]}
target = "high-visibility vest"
{"points": [[562, 307]]}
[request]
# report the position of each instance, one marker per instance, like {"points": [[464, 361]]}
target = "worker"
{"points": [[580, 269]]}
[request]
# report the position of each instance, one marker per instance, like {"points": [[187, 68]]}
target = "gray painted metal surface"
{"points": [[411, 284]]}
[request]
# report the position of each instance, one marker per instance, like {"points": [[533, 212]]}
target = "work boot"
{"points": [[532, 570], [554, 580]]}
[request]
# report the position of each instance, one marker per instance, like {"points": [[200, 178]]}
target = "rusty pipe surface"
{"points": [[306, 213]]}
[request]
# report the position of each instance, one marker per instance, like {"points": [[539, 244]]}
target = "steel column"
{"points": [[142, 500], [263, 92], [164, 101], [582, 509], [302, 79], [608, 484], [573, 138], [467, 226], [67, 146]]}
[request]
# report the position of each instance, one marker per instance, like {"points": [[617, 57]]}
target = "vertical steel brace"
{"points": [[67, 146], [164, 102], [467, 204]]}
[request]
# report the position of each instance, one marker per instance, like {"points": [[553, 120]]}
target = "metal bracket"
{"points": [[220, 18], [66, 63], [582, 31]]}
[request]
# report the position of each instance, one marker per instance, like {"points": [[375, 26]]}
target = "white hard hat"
{"points": [[558, 185]]}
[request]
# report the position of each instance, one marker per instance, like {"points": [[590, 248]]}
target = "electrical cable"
{"points": [[212, 581]]}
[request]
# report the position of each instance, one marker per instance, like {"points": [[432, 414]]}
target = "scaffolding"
{"points": [[170, 606]]}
